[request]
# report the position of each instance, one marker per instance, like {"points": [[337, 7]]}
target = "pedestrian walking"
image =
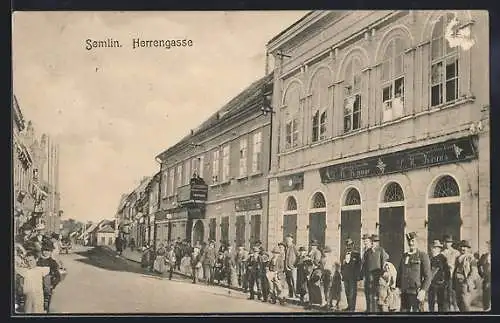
{"points": [[484, 268], [327, 267], [301, 283], [464, 276], [208, 262], [414, 276], [159, 265], [314, 253], [51, 280], [276, 276], [351, 269], [33, 284], [178, 253], [170, 260], [373, 260], [290, 264], [451, 254], [252, 270], [119, 245], [388, 294], [196, 265], [438, 291]]}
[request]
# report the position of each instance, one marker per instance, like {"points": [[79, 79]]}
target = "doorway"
{"points": [[317, 220]]}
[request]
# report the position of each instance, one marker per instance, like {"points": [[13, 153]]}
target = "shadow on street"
{"points": [[105, 259]]}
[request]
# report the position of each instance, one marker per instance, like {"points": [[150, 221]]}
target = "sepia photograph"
{"points": [[197, 162]]}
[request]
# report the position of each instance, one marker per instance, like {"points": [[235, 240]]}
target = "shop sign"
{"points": [[293, 182], [248, 204], [450, 151]]}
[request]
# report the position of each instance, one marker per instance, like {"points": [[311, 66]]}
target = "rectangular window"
{"points": [[257, 152], [225, 163], [187, 172], [224, 229], [164, 185], [444, 81], [172, 181], [288, 135], [201, 165], [451, 79], [322, 126], [315, 127], [295, 132], [352, 113], [179, 175], [393, 99], [215, 166], [243, 156]]}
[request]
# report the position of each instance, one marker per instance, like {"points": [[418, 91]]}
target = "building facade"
{"points": [[152, 191], [214, 181], [381, 126]]}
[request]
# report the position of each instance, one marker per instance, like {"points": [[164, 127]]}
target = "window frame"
{"points": [[390, 81], [179, 169], [352, 94], [226, 161], [243, 157], [215, 166], [171, 173], [257, 152], [445, 55]]}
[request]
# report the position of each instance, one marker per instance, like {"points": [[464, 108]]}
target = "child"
{"points": [[301, 274], [388, 298], [336, 289], [33, 284], [276, 276]]}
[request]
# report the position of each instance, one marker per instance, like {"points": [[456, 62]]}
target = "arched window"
{"points": [[352, 198], [352, 96], [319, 104], [318, 201], [393, 193], [446, 187], [393, 80], [291, 204], [292, 102], [444, 62]]}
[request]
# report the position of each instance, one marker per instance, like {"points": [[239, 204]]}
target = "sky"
{"points": [[112, 110]]}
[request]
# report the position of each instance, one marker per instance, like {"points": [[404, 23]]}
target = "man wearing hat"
{"points": [[209, 256], [315, 253], [290, 264], [301, 283], [438, 291], [53, 278], [484, 268], [262, 274], [276, 276], [414, 276], [451, 254], [463, 277], [350, 268], [253, 271], [371, 270]]}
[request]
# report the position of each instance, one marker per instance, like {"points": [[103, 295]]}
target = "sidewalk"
{"points": [[136, 256]]}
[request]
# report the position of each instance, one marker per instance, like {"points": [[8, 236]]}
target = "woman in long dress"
{"points": [[159, 264], [33, 284]]}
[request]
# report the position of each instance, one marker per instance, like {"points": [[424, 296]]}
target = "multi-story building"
{"points": [[214, 181], [152, 192], [381, 126]]}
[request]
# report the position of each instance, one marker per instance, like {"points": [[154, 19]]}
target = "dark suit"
{"points": [[414, 274], [484, 268], [350, 275], [438, 291], [253, 273], [50, 281], [291, 255], [371, 269]]}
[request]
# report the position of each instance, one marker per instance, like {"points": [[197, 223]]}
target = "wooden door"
{"points": [[443, 219], [392, 232], [240, 230], [254, 228], [290, 226], [317, 228], [350, 227]]}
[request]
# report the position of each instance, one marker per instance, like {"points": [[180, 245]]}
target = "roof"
{"points": [[106, 229], [123, 200], [290, 27], [91, 228], [235, 105]]}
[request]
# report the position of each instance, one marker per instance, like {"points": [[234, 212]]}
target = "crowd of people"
{"points": [[38, 269], [448, 277]]}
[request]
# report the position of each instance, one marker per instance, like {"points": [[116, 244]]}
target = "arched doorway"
{"points": [[317, 219], [443, 211], [290, 218], [198, 232], [350, 220], [392, 222]]}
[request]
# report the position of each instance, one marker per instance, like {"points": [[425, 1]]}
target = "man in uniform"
{"points": [[438, 291], [463, 277], [253, 271], [372, 267], [414, 276], [484, 268], [350, 269], [451, 254], [291, 254], [315, 254]]}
